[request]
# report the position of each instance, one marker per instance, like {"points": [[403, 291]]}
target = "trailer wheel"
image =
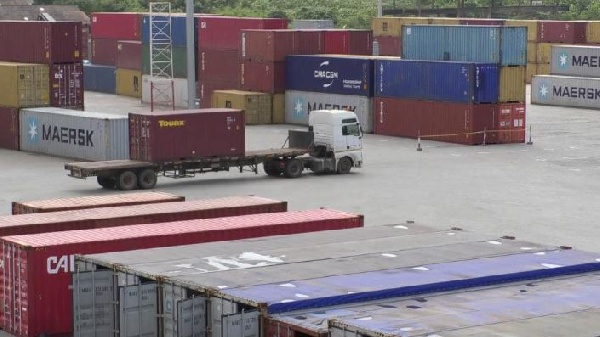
{"points": [[147, 179], [344, 165], [105, 182], [127, 181], [272, 168], [293, 168]]}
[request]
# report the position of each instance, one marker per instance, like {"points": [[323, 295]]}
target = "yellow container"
{"points": [[256, 105], [531, 52], [512, 84], [24, 85], [593, 31], [392, 26], [532, 27], [129, 83], [543, 53], [543, 69], [278, 109], [445, 21], [531, 71]]}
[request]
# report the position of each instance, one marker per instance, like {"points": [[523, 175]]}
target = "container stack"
{"points": [[257, 106]]}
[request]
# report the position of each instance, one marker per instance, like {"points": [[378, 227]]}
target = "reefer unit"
{"points": [[40, 42], [566, 91], [335, 74], [562, 31], [299, 104], [257, 106], [74, 134], [116, 25], [487, 44], [572, 60], [100, 78], [24, 85], [66, 85], [437, 81], [177, 135], [9, 128]]}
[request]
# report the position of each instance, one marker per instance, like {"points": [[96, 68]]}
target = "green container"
{"points": [[179, 55]]}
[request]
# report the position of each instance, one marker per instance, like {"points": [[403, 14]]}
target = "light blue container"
{"points": [[506, 46]]}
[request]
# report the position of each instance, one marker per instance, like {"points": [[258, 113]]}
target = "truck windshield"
{"points": [[352, 129]]}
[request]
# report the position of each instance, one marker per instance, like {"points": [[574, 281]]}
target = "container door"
{"points": [[170, 297], [93, 308], [138, 311], [244, 324], [191, 317], [220, 307]]}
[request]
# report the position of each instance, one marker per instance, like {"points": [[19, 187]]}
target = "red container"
{"points": [[562, 32], [129, 55], [66, 85], [223, 32], [348, 42], [511, 123], [266, 77], [482, 22], [36, 277], [309, 42], [177, 135], [116, 26], [207, 87], [217, 65], [275, 23], [9, 128], [389, 45], [104, 51], [40, 42], [130, 215], [113, 200], [440, 121], [268, 45]]}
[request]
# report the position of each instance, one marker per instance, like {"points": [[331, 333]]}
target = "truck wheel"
{"points": [[344, 165], [147, 179], [293, 168], [105, 182], [127, 181], [272, 168]]}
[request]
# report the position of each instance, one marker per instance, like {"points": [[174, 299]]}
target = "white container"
{"points": [[581, 61], [312, 24], [163, 93], [298, 104], [557, 90], [74, 134]]}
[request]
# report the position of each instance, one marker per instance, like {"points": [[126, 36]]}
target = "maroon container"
{"points": [[440, 121], [66, 86], [217, 65], [482, 22], [104, 51], [562, 31], [266, 77], [116, 26], [40, 42], [309, 42], [348, 42], [275, 23], [177, 135], [510, 123], [268, 45], [207, 87], [129, 55], [223, 32], [389, 45], [9, 128]]}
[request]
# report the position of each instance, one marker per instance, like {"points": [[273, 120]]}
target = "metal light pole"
{"points": [[190, 34]]}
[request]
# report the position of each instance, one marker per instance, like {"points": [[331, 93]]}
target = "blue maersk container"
{"points": [[100, 78], [178, 29], [333, 74], [459, 82], [487, 44]]}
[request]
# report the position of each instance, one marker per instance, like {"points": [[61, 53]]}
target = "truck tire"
{"points": [[344, 165], [127, 181], [272, 168], [147, 179], [293, 168], [108, 183]]}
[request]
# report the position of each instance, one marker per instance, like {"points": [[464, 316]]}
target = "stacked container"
{"points": [[257, 106]]}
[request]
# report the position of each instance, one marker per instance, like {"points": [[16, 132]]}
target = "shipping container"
{"points": [[581, 61], [263, 76], [275, 23], [438, 20], [131, 214], [268, 45], [566, 91], [511, 123], [74, 134], [593, 32], [312, 24], [348, 41], [531, 71], [116, 25], [49, 283], [512, 84], [129, 55], [257, 106], [223, 32], [176, 135], [439, 121], [9, 128], [40, 42], [571, 32], [177, 26], [85, 202], [207, 87], [299, 104], [334, 74], [219, 65], [481, 22], [100, 78], [531, 25], [543, 69], [392, 26], [129, 83], [278, 108], [24, 85], [165, 93], [178, 58], [104, 51], [387, 46], [309, 42], [66, 86], [437, 81], [531, 52], [543, 53], [487, 44]]}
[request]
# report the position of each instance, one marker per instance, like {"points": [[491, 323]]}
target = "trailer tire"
{"points": [[127, 181], [108, 183], [147, 179], [293, 168], [344, 165], [272, 168]]}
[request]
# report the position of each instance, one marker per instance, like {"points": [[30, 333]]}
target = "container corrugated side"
{"points": [[207, 87], [530, 24], [104, 51], [24, 85], [66, 86], [512, 84], [387, 46], [129, 55], [572, 32], [511, 123], [100, 78], [581, 61], [299, 104], [593, 32], [566, 91], [257, 106], [85, 202], [263, 76], [392, 26], [9, 128], [49, 257], [348, 41], [531, 52], [543, 53], [129, 82], [164, 96], [223, 32], [116, 25], [217, 65], [531, 71], [267, 45], [278, 109], [74, 134]]}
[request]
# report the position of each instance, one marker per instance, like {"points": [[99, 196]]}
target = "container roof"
{"points": [[23, 11]]}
